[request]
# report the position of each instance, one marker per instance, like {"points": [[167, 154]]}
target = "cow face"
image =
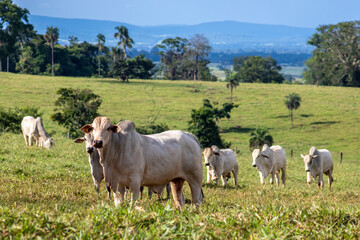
{"points": [[210, 156], [101, 130], [48, 143], [307, 161], [88, 139], [262, 162]]}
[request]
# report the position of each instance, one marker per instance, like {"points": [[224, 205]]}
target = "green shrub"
{"points": [[152, 128], [10, 119]]}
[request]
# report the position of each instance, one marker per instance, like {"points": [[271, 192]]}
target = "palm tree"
{"points": [[232, 84], [51, 36], [100, 43], [259, 137], [124, 39], [292, 101]]}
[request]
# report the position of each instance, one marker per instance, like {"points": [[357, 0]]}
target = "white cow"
{"points": [[33, 129], [270, 160], [133, 160], [220, 163], [317, 163], [97, 170]]}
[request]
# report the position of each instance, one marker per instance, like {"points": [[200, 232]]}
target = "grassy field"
{"points": [[49, 193]]}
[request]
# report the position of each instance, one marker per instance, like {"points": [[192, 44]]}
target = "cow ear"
{"points": [[87, 128], [264, 155], [114, 129], [217, 153], [302, 156], [79, 140], [315, 156]]}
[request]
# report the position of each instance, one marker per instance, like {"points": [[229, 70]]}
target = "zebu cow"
{"points": [[97, 171], [220, 163], [33, 128], [270, 160], [317, 163], [133, 160]]}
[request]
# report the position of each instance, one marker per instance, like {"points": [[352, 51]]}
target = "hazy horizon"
{"points": [[304, 14]]}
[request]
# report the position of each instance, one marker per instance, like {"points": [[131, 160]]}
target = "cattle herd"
{"points": [[128, 161]]}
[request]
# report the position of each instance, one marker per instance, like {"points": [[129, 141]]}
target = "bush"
{"points": [[10, 119], [75, 109], [152, 128], [203, 124]]}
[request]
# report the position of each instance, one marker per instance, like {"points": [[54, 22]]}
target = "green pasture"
{"points": [[50, 194]]}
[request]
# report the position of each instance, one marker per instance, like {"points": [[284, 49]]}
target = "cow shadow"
{"points": [[237, 130], [324, 122], [307, 115]]}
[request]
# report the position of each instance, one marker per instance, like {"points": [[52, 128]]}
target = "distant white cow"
{"points": [[270, 160], [317, 163], [33, 129], [97, 170], [220, 163]]}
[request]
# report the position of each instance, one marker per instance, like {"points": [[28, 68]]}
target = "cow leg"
{"points": [[26, 140], [176, 188], [235, 172], [109, 191], [168, 190], [30, 140], [321, 181], [277, 178], [308, 175], [135, 190], [330, 180], [150, 192], [283, 175], [262, 180], [272, 178], [196, 191], [208, 175], [97, 186], [224, 180], [119, 195]]}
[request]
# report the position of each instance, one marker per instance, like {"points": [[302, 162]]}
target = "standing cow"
{"points": [[133, 160], [220, 163], [97, 171], [270, 160], [33, 129], [317, 163]]}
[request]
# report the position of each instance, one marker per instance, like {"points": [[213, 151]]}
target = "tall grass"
{"points": [[49, 193]]}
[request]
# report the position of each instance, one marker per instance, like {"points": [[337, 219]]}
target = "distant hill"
{"points": [[227, 35]]}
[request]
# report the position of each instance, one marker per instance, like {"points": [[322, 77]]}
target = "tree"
{"points": [[122, 69], [204, 127], [75, 108], [336, 57], [100, 44], [292, 102], [14, 27], [233, 82], [259, 137], [73, 40], [51, 37], [199, 48], [141, 67], [125, 41], [172, 52], [257, 69], [10, 119]]}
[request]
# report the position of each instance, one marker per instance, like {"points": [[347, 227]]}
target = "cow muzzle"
{"points": [[98, 143], [254, 165], [307, 170], [89, 150], [207, 164]]}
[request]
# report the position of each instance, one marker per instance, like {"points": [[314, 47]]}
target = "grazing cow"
{"points": [[133, 160], [317, 163], [97, 171], [269, 161], [220, 163], [33, 128]]}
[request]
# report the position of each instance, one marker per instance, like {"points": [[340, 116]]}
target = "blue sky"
{"points": [[300, 13]]}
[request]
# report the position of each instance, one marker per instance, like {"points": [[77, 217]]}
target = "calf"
{"points": [[270, 160], [97, 171], [317, 163], [220, 163]]}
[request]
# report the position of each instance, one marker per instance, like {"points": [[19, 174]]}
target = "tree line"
{"points": [[335, 59]]}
